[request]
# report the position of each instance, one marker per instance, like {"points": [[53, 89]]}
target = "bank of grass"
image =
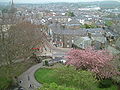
{"points": [[16, 69], [113, 87], [4, 83], [45, 75]]}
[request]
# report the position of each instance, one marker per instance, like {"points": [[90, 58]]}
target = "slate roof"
{"points": [[82, 32], [70, 32], [100, 39], [73, 21], [113, 50], [82, 42], [117, 44]]}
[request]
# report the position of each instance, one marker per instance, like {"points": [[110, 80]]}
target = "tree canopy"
{"points": [[97, 61], [71, 14]]}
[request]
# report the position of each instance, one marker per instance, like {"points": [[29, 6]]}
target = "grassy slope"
{"points": [[17, 69], [45, 76]]}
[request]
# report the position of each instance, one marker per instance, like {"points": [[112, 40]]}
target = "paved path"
{"points": [[29, 74], [56, 52]]}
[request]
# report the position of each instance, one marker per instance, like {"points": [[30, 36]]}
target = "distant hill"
{"points": [[102, 4], [109, 4], [3, 3]]}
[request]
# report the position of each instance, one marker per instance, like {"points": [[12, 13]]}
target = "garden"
{"points": [[84, 70]]}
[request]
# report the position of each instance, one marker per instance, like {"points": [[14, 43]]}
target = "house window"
{"points": [[60, 37], [68, 41], [81, 45], [60, 40], [72, 41], [68, 46], [56, 39]]}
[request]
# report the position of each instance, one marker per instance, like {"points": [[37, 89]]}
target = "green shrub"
{"points": [[70, 77], [46, 63], [105, 83], [5, 83], [54, 86]]}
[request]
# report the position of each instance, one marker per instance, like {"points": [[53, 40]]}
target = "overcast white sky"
{"points": [[47, 1]]}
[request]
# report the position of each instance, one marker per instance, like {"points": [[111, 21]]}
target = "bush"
{"points": [[70, 77], [46, 63], [105, 83], [5, 83], [54, 86], [71, 14]]}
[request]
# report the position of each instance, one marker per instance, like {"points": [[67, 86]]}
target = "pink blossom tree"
{"points": [[97, 61]]}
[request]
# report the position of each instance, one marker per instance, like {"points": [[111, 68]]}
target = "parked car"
{"points": [[63, 61], [50, 63]]}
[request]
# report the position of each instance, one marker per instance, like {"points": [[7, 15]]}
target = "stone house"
{"points": [[63, 37]]}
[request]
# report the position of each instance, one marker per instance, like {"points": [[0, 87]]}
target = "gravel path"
{"points": [[27, 78]]}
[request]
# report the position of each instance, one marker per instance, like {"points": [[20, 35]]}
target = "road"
{"points": [[54, 52], [30, 73]]}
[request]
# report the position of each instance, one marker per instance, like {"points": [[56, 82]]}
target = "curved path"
{"points": [[27, 78]]}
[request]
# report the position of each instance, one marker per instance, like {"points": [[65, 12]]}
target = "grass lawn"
{"points": [[16, 70], [44, 75], [4, 83]]}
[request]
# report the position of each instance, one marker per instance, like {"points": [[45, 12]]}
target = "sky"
{"points": [[49, 1]]}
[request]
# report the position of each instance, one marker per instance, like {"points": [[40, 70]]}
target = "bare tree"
{"points": [[20, 40], [17, 42]]}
